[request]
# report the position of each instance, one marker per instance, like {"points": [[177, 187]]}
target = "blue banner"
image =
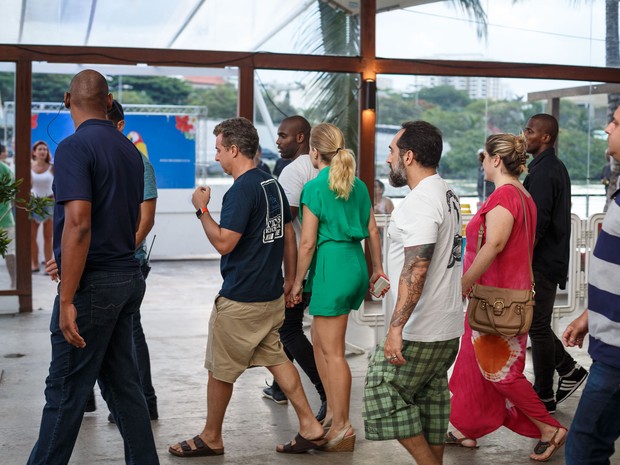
{"points": [[167, 140]]}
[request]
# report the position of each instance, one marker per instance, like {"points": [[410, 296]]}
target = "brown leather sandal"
{"points": [[200, 450], [543, 446], [452, 440], [299, 445]]}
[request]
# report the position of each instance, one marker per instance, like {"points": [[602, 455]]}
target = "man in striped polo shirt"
{"points": [[596, 425]]}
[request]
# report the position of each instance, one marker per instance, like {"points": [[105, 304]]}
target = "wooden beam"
{"points": [[23, 100], [367, 118], [283, 61], [574, 91], [245, 102], [497, 69]]}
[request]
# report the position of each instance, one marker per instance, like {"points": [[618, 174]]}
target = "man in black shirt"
{"points": [[549, 184]]}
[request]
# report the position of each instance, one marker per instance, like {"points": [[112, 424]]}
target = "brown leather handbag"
{"points": [[496, 310]]}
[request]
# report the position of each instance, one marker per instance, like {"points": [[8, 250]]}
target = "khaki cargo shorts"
{"points": [[244, 335]]}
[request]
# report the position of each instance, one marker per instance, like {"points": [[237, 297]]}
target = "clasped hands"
{"points": [[293, 293]]}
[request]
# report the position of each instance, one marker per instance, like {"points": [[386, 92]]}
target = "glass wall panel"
{"points": [[295, 26], [553, 31], [468, 109], [7, 178], [299, 26], [169, 113], [319, 97]]}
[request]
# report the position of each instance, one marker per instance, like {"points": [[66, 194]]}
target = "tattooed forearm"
{"points": [[411, 282]]}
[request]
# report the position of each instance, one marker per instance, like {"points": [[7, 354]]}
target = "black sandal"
{"points": [[543, 446], [301, 445], [201, 449]]}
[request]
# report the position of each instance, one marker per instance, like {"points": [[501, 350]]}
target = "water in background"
{"points": [[587, 198]]}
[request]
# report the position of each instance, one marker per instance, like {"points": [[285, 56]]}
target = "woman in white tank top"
{"points": [[42, 176]]}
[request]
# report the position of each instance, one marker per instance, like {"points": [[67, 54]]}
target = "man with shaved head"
{"points": [[294, 145], [98, 188], [549, 184], [293, 140]]}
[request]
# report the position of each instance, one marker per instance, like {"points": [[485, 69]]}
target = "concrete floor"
{"points": [[175, 316]]}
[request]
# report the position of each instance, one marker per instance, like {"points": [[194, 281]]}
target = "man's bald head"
{"points": [[549, 125], [88, 92], [293, 137], [300, 125]]}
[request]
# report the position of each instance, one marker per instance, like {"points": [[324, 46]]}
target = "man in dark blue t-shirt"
{"points": [[254, 235], [98, 188]]}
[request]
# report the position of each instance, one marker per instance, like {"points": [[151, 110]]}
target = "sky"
{"points": [[569, 32], [534, 31]]}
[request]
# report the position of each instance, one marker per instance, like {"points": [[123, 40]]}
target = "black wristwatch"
{"points": [[201, 211]]}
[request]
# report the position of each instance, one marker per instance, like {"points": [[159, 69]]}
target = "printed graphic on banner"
{"points": [[168, 141]]}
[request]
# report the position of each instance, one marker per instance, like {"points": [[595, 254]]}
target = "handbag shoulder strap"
{"points": [[527, 236]]}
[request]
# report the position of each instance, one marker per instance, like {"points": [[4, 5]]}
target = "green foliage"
{"points": [[7, 86], [573, 116], [8, 188], [4, 242], [158, 90], [134, 97], [279, 107], [572, 150], [8, 193], [446, 97], [49, 87], [45, 87], [461, 161], [505, 116], [466, 127], [397, 108], [332, 97], [221, 100]]}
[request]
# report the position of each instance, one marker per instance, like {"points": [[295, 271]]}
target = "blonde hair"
{"points": [[512, 149], [328, 140]]}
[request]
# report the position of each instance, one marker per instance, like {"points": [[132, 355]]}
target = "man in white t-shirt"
{"points": [[293, 144], [406, 395]]}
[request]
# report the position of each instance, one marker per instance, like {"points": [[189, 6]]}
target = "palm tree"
{"points": [[332, 97]]}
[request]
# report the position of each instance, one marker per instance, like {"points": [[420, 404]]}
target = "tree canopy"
{"points": [[464, 122]]}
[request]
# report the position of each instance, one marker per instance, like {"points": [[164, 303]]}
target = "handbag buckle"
{"points": [[498, 307]]}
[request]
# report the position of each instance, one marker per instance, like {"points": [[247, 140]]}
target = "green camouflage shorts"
{"points": [[405, 401]]}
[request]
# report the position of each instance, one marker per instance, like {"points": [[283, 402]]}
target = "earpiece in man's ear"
{"points": [[67, 104], [66, 100]]}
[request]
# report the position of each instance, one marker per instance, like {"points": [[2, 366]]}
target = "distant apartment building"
{"points": [[476, 87]]}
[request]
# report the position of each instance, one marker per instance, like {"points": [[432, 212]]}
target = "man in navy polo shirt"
{"points": [[98, 188]]}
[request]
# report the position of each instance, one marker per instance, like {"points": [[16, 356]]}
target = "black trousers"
{"points": [[548, 353], [297, 346]]}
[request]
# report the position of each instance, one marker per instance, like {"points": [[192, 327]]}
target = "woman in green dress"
{"points": [[336, 214]]}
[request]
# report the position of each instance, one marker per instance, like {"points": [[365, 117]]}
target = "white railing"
{"points": [[584, 234]]}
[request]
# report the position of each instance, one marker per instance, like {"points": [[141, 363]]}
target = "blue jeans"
{"points": [[105, 303], [143, 357], [596, 425]]}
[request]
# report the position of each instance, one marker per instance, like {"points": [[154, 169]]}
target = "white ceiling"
{"points": [[240, 25]]}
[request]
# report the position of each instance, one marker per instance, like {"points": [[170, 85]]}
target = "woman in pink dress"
{"points": [[488, 387]]}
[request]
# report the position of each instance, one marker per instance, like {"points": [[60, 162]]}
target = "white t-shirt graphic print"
{"points": [[430, 214]]}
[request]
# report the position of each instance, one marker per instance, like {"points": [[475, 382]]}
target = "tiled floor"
{"points": [[175, 315]]}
